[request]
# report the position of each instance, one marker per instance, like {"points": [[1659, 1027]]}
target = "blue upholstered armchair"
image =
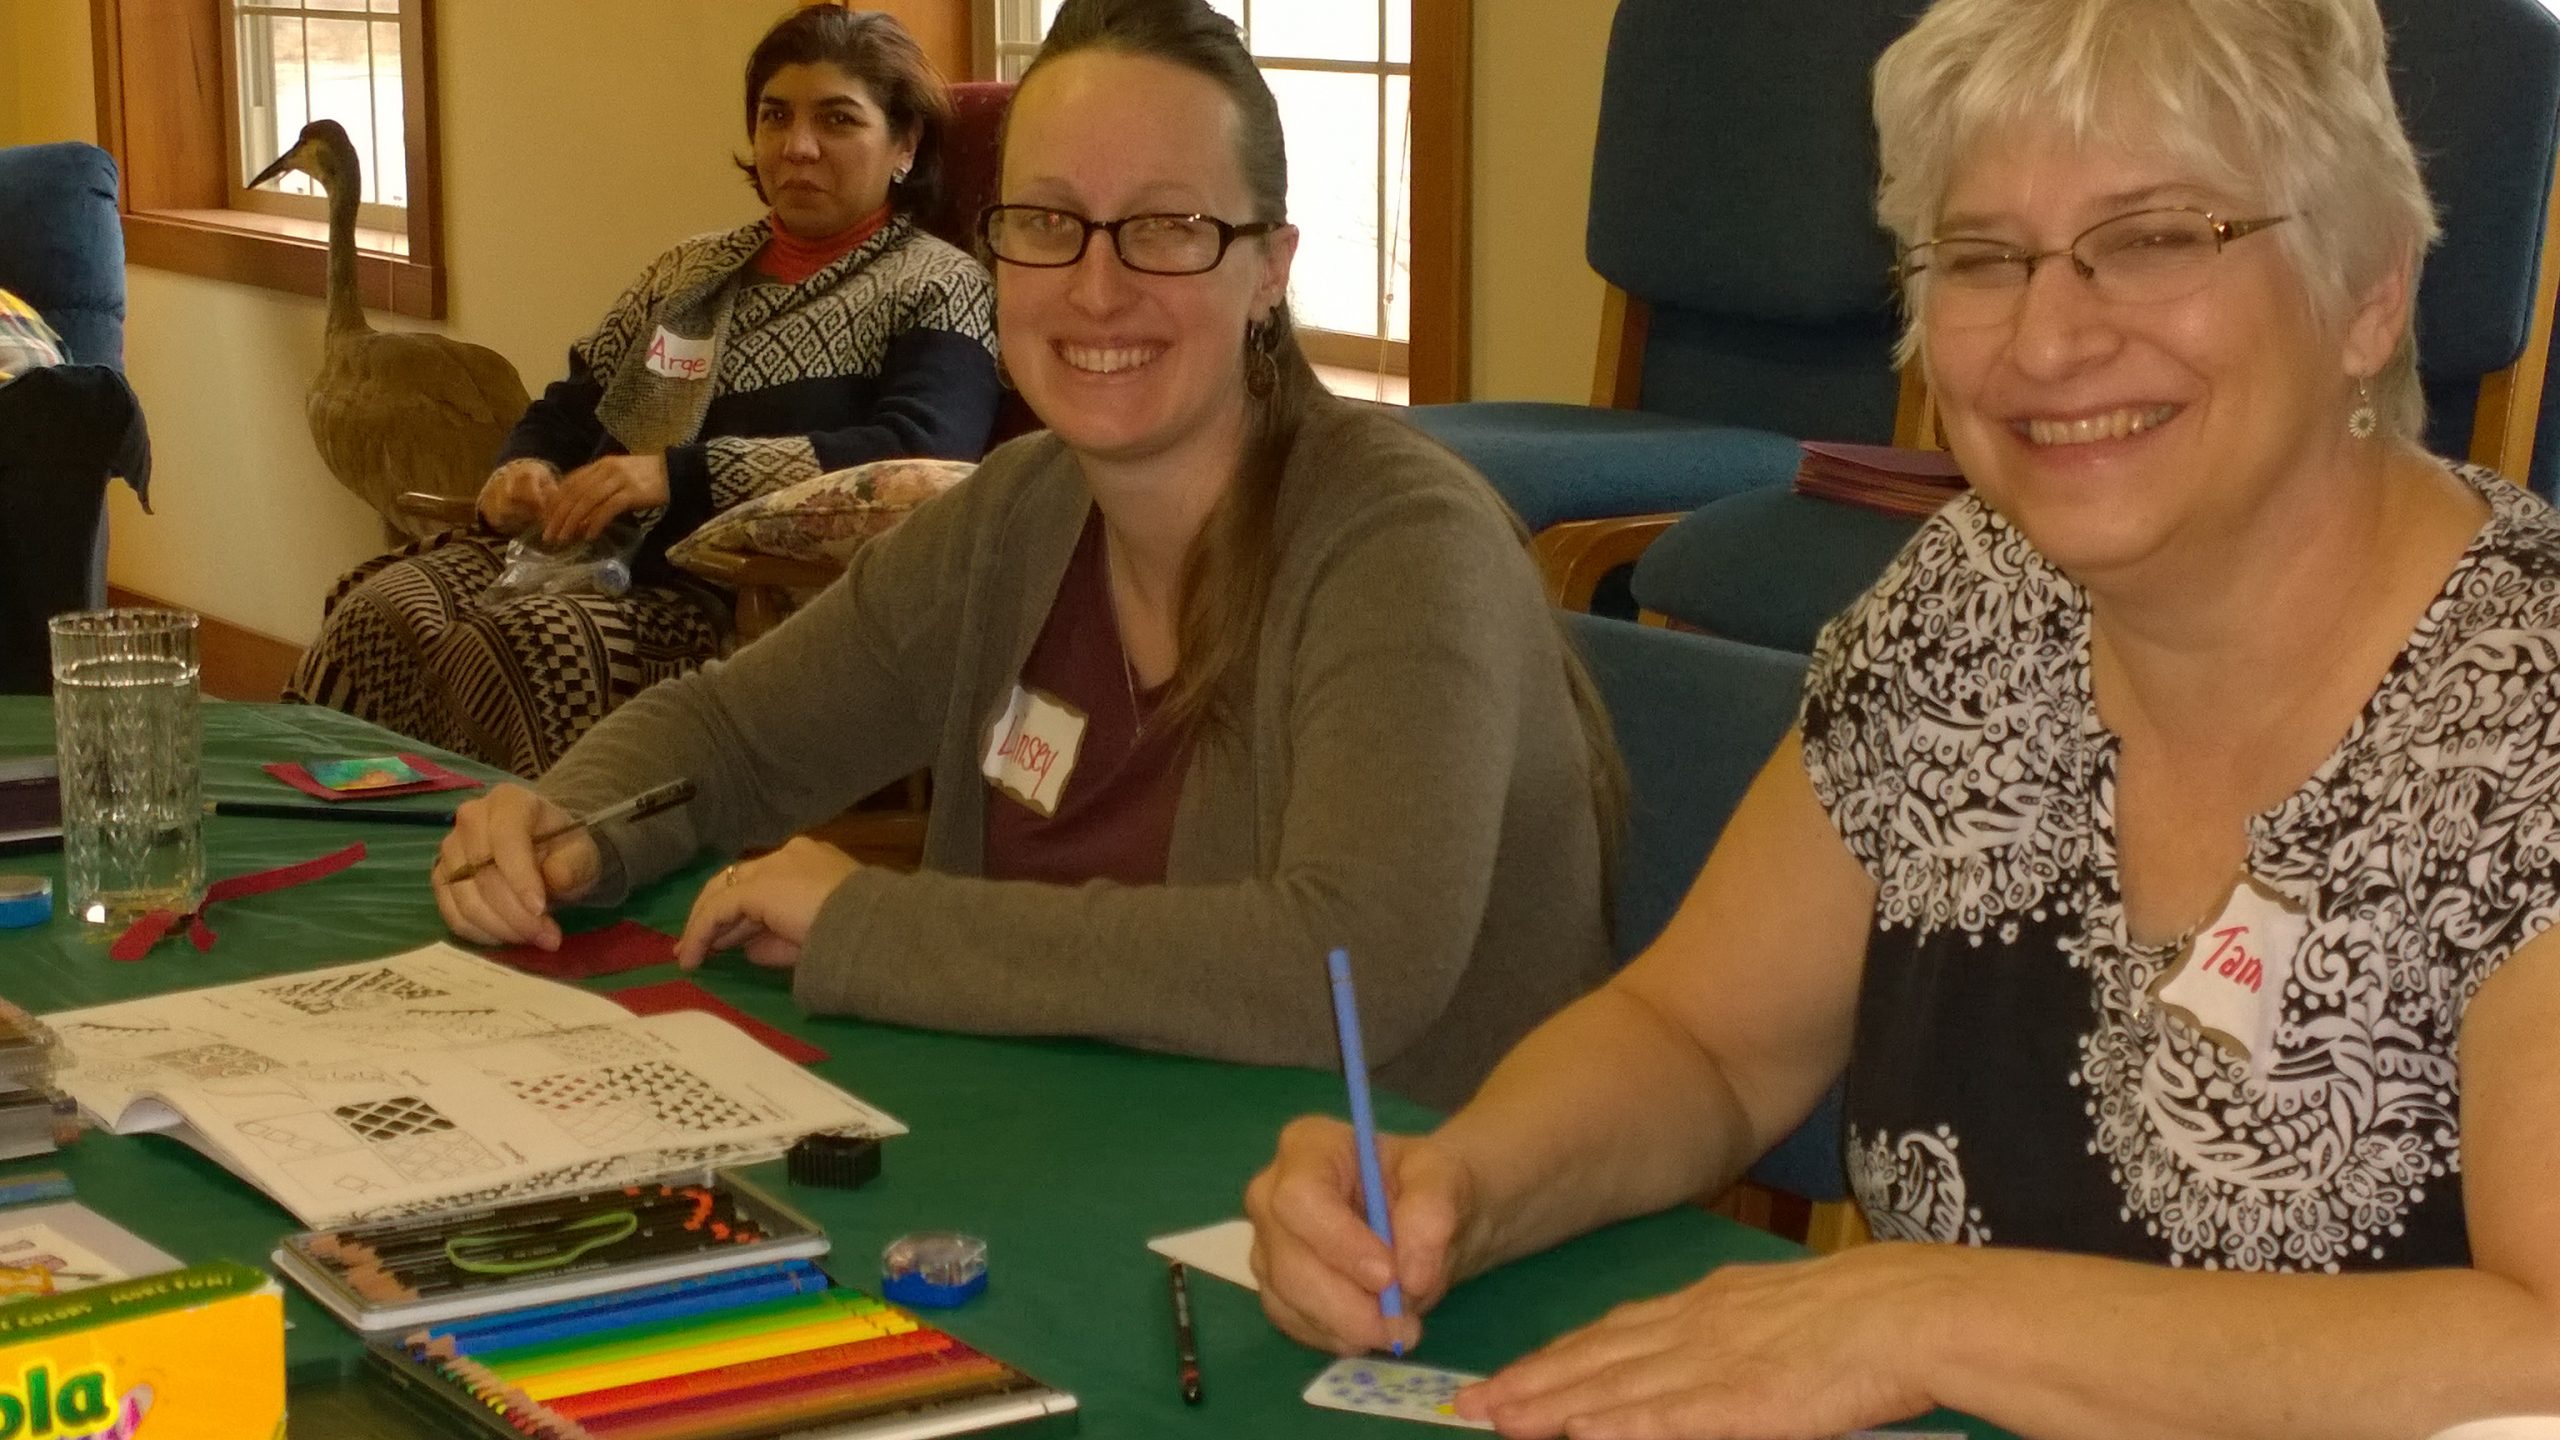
{"points": [[2478, 83], [65, 429], [1732, 213], [1696, 717]]}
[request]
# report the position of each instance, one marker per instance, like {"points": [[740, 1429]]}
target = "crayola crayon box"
{"points": [[195, 1354]]}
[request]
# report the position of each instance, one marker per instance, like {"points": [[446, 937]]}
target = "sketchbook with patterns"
{"points": [[434, 1079]]}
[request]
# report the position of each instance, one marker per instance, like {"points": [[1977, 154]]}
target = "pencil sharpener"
{"points": [[933, 1268]]}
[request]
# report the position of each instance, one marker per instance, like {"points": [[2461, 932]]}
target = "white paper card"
{"points": [[678, 358], [2230, 980], [1031, 748], [1224, 1250], [1365, 1385]]}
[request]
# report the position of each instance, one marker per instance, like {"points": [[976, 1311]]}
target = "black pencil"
{"points": [[286, 810]]}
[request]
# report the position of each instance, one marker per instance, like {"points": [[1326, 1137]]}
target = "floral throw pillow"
{"points": [[827, 517]]}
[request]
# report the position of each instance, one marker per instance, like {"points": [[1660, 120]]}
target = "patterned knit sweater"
{"points": [[747, 385]]}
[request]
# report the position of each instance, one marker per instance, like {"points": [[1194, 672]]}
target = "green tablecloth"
{"points": [[1065, 1155]]}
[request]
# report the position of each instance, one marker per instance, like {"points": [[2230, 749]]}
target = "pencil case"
{"points": [[395, 1275]]}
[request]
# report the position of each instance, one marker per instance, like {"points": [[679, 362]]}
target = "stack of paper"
{"points": [[1890, 478], [435, 1079]]}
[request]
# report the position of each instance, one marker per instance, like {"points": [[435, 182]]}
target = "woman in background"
{"points": [[829, 333], [1217, 674]]}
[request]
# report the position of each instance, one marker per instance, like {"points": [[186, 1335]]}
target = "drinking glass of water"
{"points": [[131, 749]]}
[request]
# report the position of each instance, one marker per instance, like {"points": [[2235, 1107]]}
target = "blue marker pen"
{"points": [[1364, 1124]]}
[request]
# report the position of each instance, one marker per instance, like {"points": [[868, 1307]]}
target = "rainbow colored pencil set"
{"points": [[764, 1350]]}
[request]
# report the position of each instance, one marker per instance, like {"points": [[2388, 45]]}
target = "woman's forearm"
{"points": [[1605, 1111], [2066, 1346]]}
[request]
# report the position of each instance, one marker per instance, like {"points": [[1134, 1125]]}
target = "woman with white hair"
{"points": [[2164, 854]]}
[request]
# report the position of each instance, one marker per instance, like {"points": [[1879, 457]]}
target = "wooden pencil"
{"points": [[757, 1416], [798, 1365], [677, 1359], [700, 1295], [632, 1342]]}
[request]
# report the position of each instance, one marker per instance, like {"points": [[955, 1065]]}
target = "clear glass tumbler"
{"points": [[131, 746]]}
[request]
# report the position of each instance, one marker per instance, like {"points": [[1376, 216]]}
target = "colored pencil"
{"points": [[371, 814], [679, 1357], [832, 1359], [1364, 1124], [524, 1361], [754, 1413], [665, 1301]]}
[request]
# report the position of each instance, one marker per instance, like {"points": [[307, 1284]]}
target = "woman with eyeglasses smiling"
{"points": [[2166, 857], [1216, 674]]}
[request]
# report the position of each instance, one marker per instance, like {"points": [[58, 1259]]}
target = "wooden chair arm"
{"points": [[1576, 555], [438, 509]]}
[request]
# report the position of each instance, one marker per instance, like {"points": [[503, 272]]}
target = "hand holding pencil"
{"points": [[1356, 1234], [512, 855]]}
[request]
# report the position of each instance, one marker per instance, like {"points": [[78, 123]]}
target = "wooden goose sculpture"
{"points": [[393, 411]]}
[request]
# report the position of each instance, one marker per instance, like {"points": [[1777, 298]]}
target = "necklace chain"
{"points": [[1120, 638]]}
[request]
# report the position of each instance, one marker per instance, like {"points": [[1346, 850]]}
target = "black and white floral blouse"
{"points": [[2013, 1080]]}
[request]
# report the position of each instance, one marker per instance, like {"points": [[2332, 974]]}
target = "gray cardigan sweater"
{"points": [[1410, 780]]}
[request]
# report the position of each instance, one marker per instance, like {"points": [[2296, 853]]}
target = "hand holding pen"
{"points": [[513, 854]]}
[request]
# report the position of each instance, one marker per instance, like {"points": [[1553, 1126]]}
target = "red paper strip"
{"points": [[623, 945], [438, 778], [142, 934], [672, 995]]}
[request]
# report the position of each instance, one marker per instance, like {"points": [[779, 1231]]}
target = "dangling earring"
{"points": [[899, 175], [2362, 421], [1262, 358]]}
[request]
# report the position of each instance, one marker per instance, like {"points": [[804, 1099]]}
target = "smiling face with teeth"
{"points": [[1134, 369], [2132, 439]]}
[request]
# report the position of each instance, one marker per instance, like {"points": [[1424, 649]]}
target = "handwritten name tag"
{"points": [[678, 358], [2229, 982], [1031, 748]]}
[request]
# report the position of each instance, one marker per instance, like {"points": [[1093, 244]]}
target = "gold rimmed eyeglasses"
{"points": [[2148, 257]]}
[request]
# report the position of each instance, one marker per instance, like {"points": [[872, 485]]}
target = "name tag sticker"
{"points": [[1031, 749], [678, 358], [2229, 982]]}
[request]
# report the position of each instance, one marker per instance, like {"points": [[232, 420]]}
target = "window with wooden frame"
{"points": [[196, 96], [1372, 98]]}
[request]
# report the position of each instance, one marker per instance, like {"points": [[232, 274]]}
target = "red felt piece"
{"points": [[622, 945], [674, 995], [142, 934]]}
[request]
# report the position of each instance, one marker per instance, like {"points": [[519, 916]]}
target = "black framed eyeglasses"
{"points": [[1050, 239], [2147, 257]]}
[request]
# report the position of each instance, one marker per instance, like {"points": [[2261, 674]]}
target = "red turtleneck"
{"points": [[788, 258]]}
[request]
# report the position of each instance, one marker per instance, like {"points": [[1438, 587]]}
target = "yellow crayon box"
{"points": [[195, 1354]]}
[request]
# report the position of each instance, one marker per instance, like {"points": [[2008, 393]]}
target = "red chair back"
{"points": [[972, 160]]}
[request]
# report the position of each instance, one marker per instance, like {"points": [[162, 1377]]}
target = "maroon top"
{"points": [[1115, 816]]}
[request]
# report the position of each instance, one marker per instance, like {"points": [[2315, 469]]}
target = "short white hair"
{"points": [[2283, 101]]}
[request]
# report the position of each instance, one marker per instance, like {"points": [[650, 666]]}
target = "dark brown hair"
{"points": [[1226, 579], [872, 47]]}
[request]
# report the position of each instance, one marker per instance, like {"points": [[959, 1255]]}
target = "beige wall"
{"points": [[1536, 308]]}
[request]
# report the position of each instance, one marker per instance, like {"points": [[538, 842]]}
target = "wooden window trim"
{"points": [[163, 113], [1439, 272]]}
